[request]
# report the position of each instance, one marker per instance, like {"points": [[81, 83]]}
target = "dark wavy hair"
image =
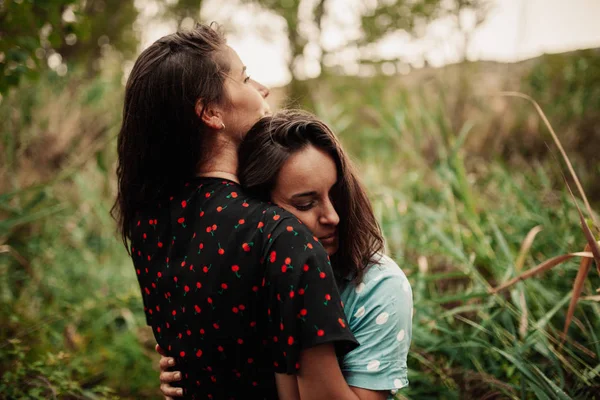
{"points": [[162, 139], [268, 145]]}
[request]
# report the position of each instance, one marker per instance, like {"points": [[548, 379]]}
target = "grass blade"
{"points": [[559, 145], [584, 268], [546, 265], [525, 246]]}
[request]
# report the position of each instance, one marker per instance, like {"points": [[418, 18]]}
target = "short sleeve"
{"points": [[382, 323], [305, 308]]}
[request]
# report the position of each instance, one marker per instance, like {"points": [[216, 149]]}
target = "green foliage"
{"points": [[21, 23], [77, 30], [567, 86], [567, 83], [70, 308], [65, 284], [391, 16], [455, 224], [44, 378]]}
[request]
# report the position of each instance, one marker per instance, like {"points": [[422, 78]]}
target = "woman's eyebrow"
{"points": [[304, 194], [243, 70]]}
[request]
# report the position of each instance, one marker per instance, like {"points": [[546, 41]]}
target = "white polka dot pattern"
{"points": [[400, 336], [382, 318], [373, 365], [360, 287], [360, 312], [405, 286]]}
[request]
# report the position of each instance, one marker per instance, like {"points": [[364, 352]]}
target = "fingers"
{"points": [[160, 350], [167, 377], [170, 391], [166, 362], [170, 377]]}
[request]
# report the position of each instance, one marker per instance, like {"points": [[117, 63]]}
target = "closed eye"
{"points": [[304, 207]]}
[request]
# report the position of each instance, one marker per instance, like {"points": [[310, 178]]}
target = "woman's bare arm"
{"points": [[287, 387]]}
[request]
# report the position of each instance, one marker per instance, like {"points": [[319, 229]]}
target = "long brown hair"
{"points": [[267, 146], [162, 139]]}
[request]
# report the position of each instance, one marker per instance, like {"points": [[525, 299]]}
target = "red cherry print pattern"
{"points": [[247, 246], [259, 253]]}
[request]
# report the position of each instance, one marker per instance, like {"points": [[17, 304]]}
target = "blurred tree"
{"points": [[61, 31], [182, 9], [289, 10], [391, 16], [96, 24], [379, 18]]}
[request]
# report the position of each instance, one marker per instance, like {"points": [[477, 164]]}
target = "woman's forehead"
{"points": [[233, 59], [309, 167]]}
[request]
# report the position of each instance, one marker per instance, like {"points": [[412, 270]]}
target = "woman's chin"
{"points": [[331, 249]]}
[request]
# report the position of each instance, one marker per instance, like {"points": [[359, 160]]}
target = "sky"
{"points": [[514, 30]]}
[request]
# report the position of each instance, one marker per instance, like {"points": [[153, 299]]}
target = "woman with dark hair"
{"points": [[295, 160], [232, 286]]}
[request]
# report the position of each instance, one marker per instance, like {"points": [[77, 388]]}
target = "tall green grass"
{"points": [[70, 310], [70, 314], [455, 222]]}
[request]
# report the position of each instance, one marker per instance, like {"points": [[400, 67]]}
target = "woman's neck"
{"points": [[223, 161]]}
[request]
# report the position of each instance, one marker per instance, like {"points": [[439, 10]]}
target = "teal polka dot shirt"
{"points": [[379, 313]]}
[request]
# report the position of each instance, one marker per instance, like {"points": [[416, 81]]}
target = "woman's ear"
{"points": [[211, 115]]}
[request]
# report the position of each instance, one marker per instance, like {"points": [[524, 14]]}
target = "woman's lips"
{"points": [[328, 239]]}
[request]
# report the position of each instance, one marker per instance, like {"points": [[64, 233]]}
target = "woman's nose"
{"points": [[263, 90], [329, 215]]}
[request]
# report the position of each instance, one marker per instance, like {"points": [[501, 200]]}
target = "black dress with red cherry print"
{"points": [[234, 288]]}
